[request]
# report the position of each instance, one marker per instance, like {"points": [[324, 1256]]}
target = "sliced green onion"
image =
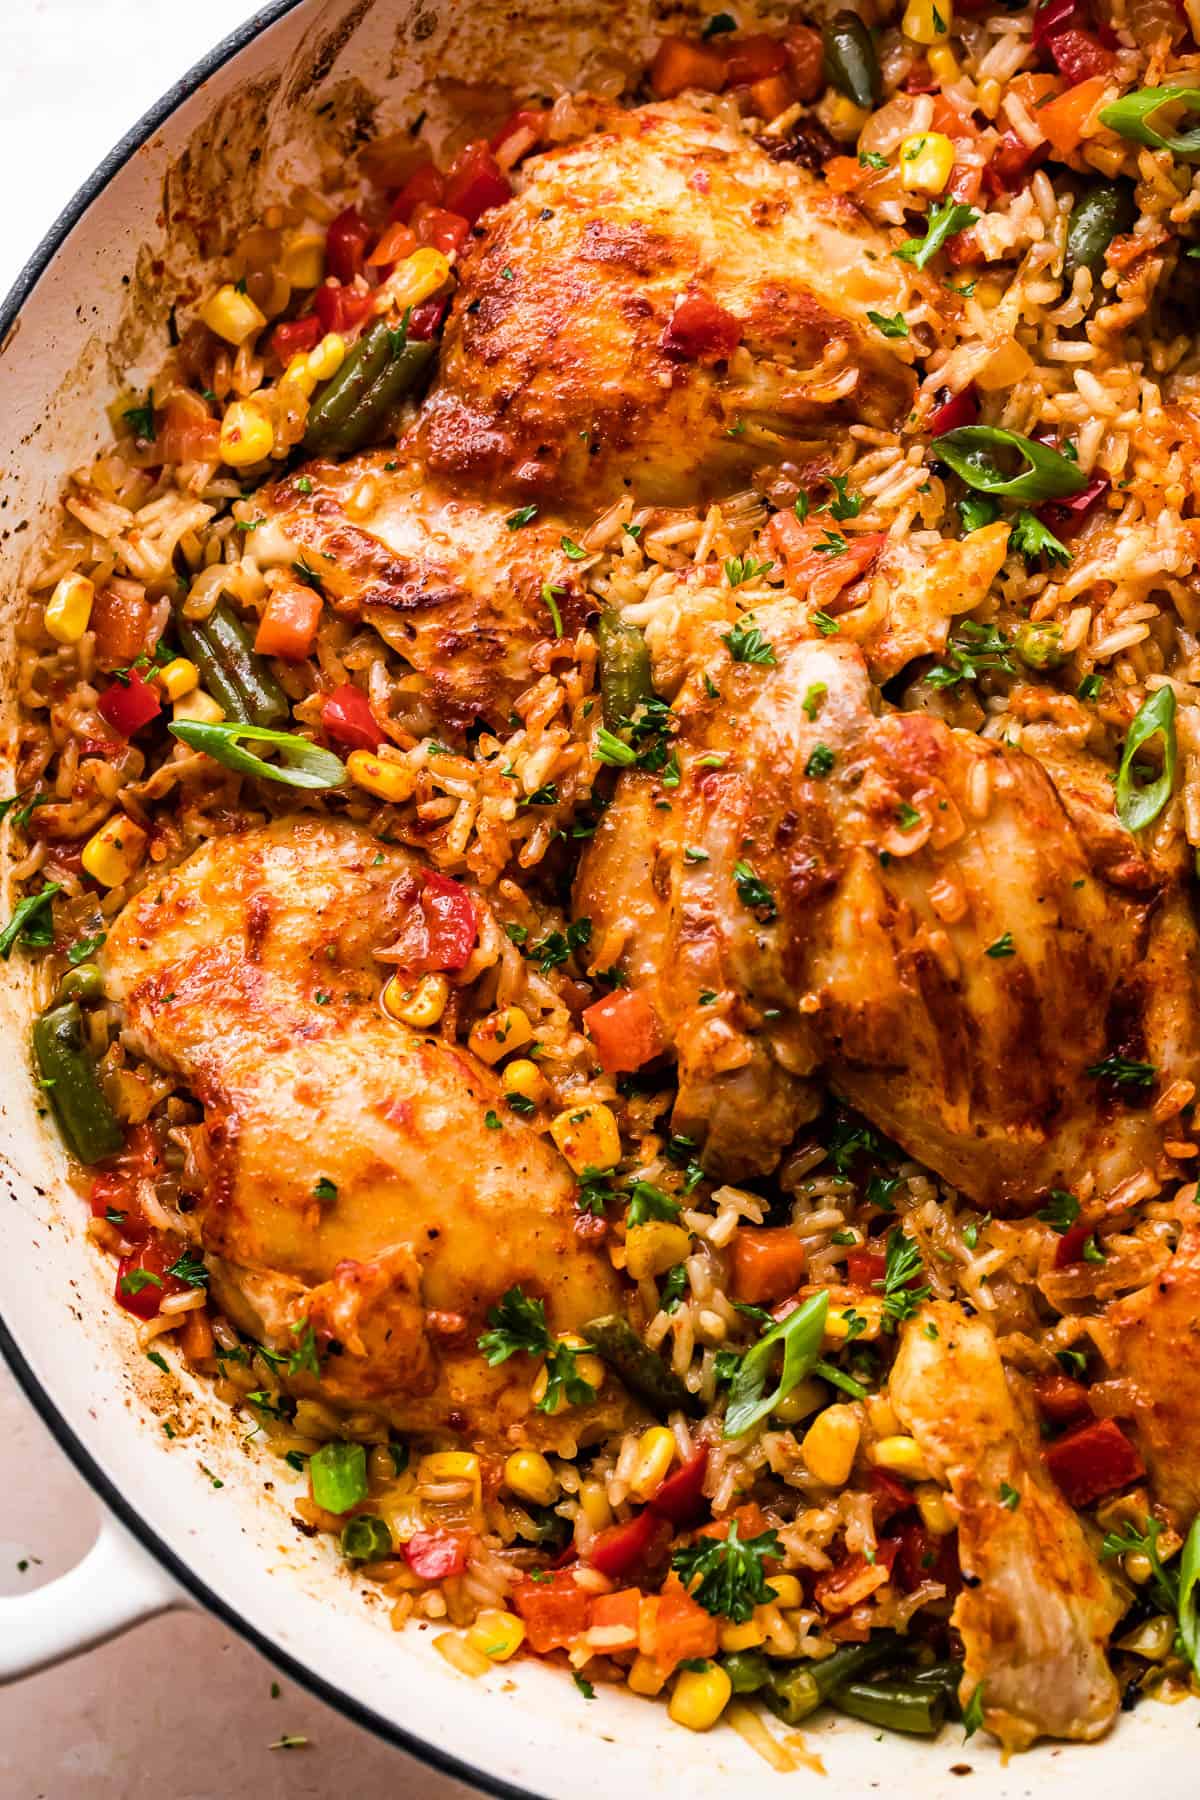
{"points": [[1137, 806], [1131, 117], [338, 1473], [1189, 1609], [302, 764], [1047, 474], [799, 1335], [365, 1539]]}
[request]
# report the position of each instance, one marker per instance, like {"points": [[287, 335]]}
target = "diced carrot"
{"points": [[120, 622], [770, 96], [682, 1630], [751, 1522], [616, 1616], [1031, 89], [188, 432], [555, 1611], [289, 624], [1063, 119], [684, 63], [1093, 1459], [625, 1030], [396, 243], [768, 1264], [196, 1336]]}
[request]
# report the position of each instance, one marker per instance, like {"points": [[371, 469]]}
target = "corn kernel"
{"points": [[655, 1247], [327, 358], [786, 1589], [525, 1079], [863, 1319], [944, 64], [179, 677], [927, 21], [882, 1415], [418, 276], [116, 850], [742, 1637], [830, 1445], [496, 1635], [593, 1498], [926, 159], [646, 1677], [200, 706], [529, 1475], [935, 1514], [588, 1367], [247, 435], [421, 1005], [69, 608], [902, 1456], [232, 314], [990, 96], [499, 1033], [699, 1697], [452, 1465], [303, 259], [655, 1454], [844, 119], [588, 1137], [1138, 1567], [391, 781], [806, 1398]]}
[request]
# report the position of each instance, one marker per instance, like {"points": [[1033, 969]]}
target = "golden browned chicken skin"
{"points": [[349, 1176], [904, 907], [569, 370]]}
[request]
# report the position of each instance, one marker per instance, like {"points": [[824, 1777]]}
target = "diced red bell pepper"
{"points": [[143, 1282], [1070, 1245], [889, 1496], [1080, 56], [1064, 517], [681, 63], [625, 1030], [920, 78], [450, 920], [396, 241], [1053, 17], [960, 409], [296, 337], [519, 134], [700, 331], [856, 1579], [434, 1555], [555, 1612], [1012, 164], [347, 719], [424, 187], [865, 1267], [752, 56], [681, 1496], [1061, 1400], [622, 1547], [768, 1264], [475, 182], [1093, 1459], [340, 308], [923, 1557], [426, 318], [346, 244], [129, 704], [445, 231]]}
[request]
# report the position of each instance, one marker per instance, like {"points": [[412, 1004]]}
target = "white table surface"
{"points": [[179, 1709]]}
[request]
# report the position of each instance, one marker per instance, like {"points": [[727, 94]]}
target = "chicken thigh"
{"points": [[906, 907], [350, 1177]]}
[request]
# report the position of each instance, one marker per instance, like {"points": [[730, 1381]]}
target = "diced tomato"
{"points": [[445, 231], [451, 921], [681, 63], [340, 308], [289, 621], [889, 1496], [966, 179], [856, 1579], [120, 622], [426, 318], [346, 244], [519, 134], [807, 58], [752, 56], [622, 1547], [865, 1267], [682, 1629], [1013, 164], [1080, 56], [434, 1555], [1060, 1399], [296, 337], [1051, 18], [129, 704], [475, 182], [923, 1557], [617, 1616], [555, 1612], [143, 1282], [1064, 517], [768, 1264], [700, 331], [681, 1496], [1093, 1459], [920, 79], [960, 409], [347, 719], [395, 243], [963, 249], [625, 1030], [1070, 1245], [424, 187]]}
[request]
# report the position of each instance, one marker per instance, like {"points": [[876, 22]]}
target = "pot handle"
{"points": [[115, 1586]]}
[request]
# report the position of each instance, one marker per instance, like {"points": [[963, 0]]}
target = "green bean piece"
{"points": [[366, 1539], [264, 700], [748, 1670], [791, 1693], [851, 60], [82, 983], [641, 1369], [852, 1661], [1098, 216], [918, 1709], [336, 398], [625, 682], [365, 421], [1039, 644], [68, 1078], [213, 677]]}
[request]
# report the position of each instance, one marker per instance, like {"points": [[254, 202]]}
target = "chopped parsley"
{"points": [[976, 510], [308, 575], [32, 922], [972, 1717], [973, 647], [583, 1684], [894, 327], [1030, 538], [845, 505], [740, 569], [746, 644], [900, 1298], [557, 946], [1003, 946], [1123, 1072], [141, 419], [189, 1269], [871, 159], [726, 1575], [820, 762], [570, 548], [754, 893], [832, 544], [824, 624], [522, 516], [1060, 1212], [946, 219], [324, 1189], [648, 1202], [1009, 1496], [673, 1288]]}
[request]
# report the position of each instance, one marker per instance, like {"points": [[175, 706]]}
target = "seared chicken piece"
{"points": [[351, 1178], [905, 906], [583, 358], [1038, 1608], [1152, 1341], [443, 580]]}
